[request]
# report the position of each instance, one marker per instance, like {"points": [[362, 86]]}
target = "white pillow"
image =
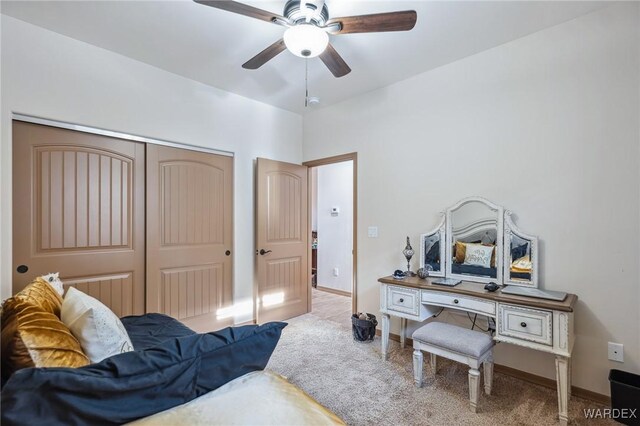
{"points": [[99, 331], [478, 255]]}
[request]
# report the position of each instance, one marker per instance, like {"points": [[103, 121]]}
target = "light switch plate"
{"points": [[372, 232], [616, 352]]}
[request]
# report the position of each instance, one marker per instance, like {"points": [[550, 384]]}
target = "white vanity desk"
{"points": [[537, 324]]}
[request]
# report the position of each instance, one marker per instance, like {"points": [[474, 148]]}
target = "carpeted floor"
{"points": [[350, 379]]}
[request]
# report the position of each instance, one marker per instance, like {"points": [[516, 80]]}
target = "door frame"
{"points": [[114, 134], [352, 156]]}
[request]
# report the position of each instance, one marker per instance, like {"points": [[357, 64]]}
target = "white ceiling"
{"points": [[210, 45]]}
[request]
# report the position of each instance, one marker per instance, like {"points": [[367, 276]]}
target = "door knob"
{"points": [[22, 269], [263, 252], [228, 253]]}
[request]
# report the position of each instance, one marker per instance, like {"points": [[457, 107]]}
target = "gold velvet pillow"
{"points": [[32, 333], [461, 252], [523, 265], [40, 293], [33, 337]]}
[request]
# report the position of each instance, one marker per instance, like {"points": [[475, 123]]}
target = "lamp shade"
{"points": [[306, 41]]}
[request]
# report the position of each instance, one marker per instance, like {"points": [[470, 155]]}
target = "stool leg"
{"points": [[474, 388], [417, 367], [433, 360], [487, 366]]}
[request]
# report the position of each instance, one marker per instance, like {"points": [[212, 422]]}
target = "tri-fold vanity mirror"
{"points": [[477, 240]]}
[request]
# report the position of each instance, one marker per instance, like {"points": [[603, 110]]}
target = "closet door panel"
{"points": [[189, 236], [78, 209]]}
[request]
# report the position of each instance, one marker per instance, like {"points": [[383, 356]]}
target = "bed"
{"points": [[172, 376], [273, 401]]}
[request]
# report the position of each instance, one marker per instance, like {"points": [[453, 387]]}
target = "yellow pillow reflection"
{"points": [[522, 265]]}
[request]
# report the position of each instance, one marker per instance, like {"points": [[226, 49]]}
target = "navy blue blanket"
{"points": [[459, 268], [170, 366], [147, 331]]}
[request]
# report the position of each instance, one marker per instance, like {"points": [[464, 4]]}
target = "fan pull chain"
{"points": [[306, 83]]}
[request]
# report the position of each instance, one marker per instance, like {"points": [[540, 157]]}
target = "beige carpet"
{"points": [[349, 378]]}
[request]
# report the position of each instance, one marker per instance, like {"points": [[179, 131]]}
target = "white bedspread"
{"points": [[258, 398]]}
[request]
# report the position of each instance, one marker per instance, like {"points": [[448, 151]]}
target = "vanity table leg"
{"points": [[562, 377], [403, 332], [385, 336], [569, 378]]}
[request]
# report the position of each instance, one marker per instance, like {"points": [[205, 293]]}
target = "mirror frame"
{"points": [[499, 241], [440, 229], [511, 228]]}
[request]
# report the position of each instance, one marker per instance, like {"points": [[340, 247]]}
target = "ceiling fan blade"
{"points": [[379, 22], [243, 9], [265, 56], [334, 62]]}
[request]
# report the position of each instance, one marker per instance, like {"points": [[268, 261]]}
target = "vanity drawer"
{"points": [[405, 300], [466, 303], [534, 325]]}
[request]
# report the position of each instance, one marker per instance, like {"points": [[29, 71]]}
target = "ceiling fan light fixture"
{"points": [[306, 40]]}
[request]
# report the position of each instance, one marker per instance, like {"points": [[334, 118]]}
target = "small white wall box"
{"points": [[335, 211], [616, 352]]}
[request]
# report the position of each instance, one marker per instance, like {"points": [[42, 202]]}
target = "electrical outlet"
{"points": [[616, 352], [372, 232], [336, 272]]}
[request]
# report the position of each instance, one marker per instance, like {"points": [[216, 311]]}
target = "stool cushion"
{"points": [[454, 338]]}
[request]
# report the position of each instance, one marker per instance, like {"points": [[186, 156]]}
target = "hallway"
{"points": [[331, 307]]}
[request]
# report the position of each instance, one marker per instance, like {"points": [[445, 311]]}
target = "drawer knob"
{"points": [[455, 301], [401, 300], [523, 324]]}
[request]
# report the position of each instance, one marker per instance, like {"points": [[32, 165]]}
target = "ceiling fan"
{"points": [[308, 29]]}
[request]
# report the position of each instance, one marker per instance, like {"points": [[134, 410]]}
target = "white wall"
{"points": [[48, 75], [335, 233], [547, 126]]}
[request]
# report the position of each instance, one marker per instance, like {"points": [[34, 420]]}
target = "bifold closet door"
{"points": [[189, 236], [79, 209]]}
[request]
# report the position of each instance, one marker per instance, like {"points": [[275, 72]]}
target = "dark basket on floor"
{"points": [[364, 330], [625, 395]]}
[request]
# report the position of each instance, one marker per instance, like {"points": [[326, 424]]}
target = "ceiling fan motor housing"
{"points": [[297, 15]]}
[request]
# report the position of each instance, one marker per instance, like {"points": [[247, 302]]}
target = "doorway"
{"points": [[333, 213]]}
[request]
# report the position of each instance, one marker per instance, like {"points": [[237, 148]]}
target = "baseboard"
{"points": [[250, 322], [334, 291], [550, 383], [528, 377]]}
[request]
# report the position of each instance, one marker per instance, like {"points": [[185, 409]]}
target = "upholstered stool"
{"points": [[458, 344]]}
